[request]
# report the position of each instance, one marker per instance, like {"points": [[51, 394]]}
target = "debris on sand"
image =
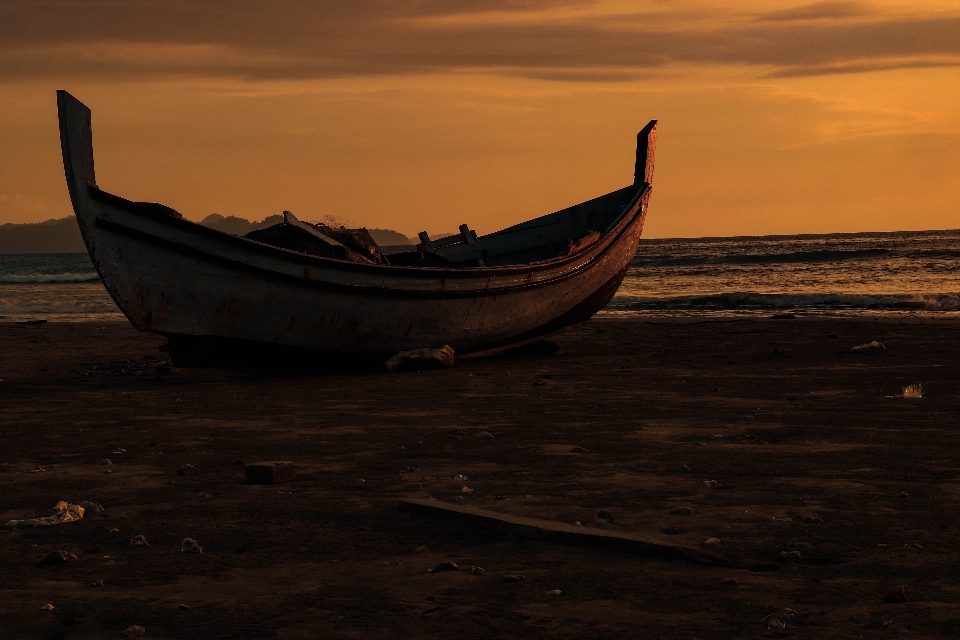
{"points": [[62, 512], [510, 577], [46, 607], [420, 359], [460, 477], [484, 435], [709, 483], [270, 472], [895, 594], [139, 541], [134, 631], [604, 519], [190, 546], [466, 489], [552, 592], [681, 511], [57, 557], [187, 470], [711, 541], [868, 346], [444, 566], [790, 556], [476, 571], [91, 507], [913, 391], [779, 619]]}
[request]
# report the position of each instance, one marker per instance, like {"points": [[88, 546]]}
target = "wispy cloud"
{"points": [[576, 40]]}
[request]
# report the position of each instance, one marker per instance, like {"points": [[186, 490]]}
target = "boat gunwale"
{"points": [[609, 239], [187, 249]]}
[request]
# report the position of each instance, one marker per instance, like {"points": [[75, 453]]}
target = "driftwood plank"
{"points": [[559, 532]]}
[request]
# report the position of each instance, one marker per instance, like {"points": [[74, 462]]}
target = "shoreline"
{"points": [[769, 431]]}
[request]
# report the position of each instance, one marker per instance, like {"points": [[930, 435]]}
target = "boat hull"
{"points": [[188, 282]]}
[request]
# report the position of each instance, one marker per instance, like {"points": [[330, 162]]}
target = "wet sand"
{"points": [[786, 425]]}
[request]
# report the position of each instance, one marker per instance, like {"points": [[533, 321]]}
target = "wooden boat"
{"points": [[214, 294]]}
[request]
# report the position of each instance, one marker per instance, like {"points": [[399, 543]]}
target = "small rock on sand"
{"points": [[774, 621], [466, 489], [46, 607], [476, 571], [445, 566], [681, 511], [552, 592], [711, 541], [184, 606], [190, 545], [139, 541], [134, 631], [604, 519], [868, 346], [187, 470]]}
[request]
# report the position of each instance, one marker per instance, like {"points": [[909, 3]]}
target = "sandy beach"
{"points": [[775, 435]]}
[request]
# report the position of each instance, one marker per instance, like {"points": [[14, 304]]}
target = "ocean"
{"points": [[913, 273]]}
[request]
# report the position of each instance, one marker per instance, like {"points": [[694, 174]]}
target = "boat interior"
{"points": [[548, 237]]}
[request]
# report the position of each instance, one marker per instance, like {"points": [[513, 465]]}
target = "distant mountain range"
{"points": [[63, 235]]}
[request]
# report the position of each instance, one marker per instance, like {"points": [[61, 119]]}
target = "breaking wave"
{"points": [[785, 301], [45, 278]]}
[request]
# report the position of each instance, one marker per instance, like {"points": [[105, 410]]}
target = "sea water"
{"points": [[904, 273]]}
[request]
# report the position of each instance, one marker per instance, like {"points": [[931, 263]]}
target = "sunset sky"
{"points": [[777, 118]]}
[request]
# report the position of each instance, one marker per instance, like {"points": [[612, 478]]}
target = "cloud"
{"points": [[296, 39]]}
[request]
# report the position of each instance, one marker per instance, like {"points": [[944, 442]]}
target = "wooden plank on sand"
{"points": [[559, 532]]}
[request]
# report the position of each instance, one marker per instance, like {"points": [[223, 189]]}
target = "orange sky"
{"points": [[780, 118]]}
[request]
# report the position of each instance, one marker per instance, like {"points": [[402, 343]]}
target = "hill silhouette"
{"points": [[63, 235]]}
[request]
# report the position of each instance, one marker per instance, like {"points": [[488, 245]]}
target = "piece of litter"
{"points": [[552, 592], [62, 512], [460, 477], [445, 566], [184, 606], [913, 391], [190, 545], [187, 470], [681, 511], [134, 631], [46, 607], [578, 523]]}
